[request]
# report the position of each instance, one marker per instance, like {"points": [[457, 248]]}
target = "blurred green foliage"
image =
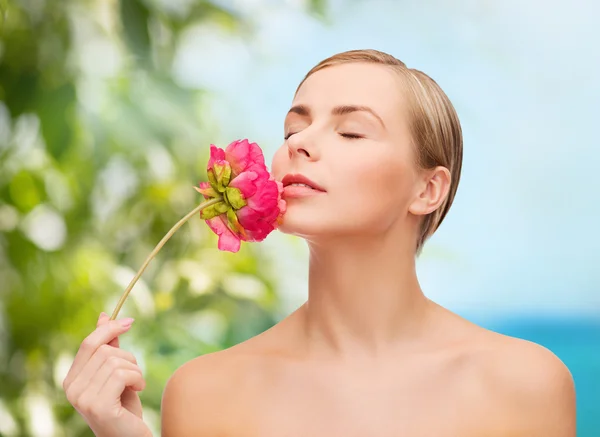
{"points": [[99, 150]]}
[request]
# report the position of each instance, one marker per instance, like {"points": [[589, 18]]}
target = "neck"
{"points": [[364, 296]]}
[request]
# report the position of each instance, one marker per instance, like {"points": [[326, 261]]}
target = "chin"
{"points": [[312, 225], [304, 224], [322, 224]]}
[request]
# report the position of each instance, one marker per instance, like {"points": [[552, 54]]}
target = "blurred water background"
{"points": [[107, 109]]}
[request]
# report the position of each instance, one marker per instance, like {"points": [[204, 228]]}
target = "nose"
{"points": [[299, 146]]}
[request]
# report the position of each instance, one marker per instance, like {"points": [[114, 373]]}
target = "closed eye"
{"points": [[345, 135], [351, 136]]}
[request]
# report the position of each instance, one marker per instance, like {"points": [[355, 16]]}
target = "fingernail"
{"points": [[126, 323]]}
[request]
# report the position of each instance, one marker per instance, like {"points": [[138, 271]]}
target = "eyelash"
{"points": [[351, 136], [344, 135]]}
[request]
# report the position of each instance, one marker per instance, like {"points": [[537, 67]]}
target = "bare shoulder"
{"points": [[193, 398], [204, 394], [534, 385], [209, 395]]}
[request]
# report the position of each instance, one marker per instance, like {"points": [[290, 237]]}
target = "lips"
{"points": [[290, 179]]}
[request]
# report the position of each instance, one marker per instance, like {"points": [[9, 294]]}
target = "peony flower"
{"points": [[250, 204], [243, 201]]}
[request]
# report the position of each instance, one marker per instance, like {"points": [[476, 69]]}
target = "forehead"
{"points": [[372, 85]]}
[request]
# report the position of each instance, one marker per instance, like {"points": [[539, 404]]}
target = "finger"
{"points": [[117, 382], [102, 320], [91, 402], [109, 369], [103, 354], [102, 335]]}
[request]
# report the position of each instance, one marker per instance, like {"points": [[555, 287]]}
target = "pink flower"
{"points": [[251, 205], [244, 203]]}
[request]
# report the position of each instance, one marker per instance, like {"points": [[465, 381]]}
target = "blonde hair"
{"points": [[433, 122]]}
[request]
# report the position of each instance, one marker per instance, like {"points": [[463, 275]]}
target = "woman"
{"points": [[370, 164]]}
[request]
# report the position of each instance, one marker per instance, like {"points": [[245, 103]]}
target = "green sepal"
{"points": [[222, 174], [214, 210], [234, 223], [208, 192], [235, 198], [212, 180]]}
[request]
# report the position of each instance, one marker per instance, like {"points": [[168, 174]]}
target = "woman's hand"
{"points": [[103, 382]]}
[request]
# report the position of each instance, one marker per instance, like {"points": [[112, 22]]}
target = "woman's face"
{"points": [[347, 133]]}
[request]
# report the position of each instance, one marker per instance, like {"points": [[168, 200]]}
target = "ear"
{"points": [[433, 188]]}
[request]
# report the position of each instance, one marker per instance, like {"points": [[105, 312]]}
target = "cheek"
{"points": [[379, 177], [278, 164], [374, 190]]}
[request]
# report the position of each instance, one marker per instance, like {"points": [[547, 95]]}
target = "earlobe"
{"points": [[433, 192]]}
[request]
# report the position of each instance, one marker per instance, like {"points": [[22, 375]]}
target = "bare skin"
{"points": [[457, 380], [103, 382]]}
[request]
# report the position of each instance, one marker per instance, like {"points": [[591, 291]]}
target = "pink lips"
{"points": [[290, 191]]}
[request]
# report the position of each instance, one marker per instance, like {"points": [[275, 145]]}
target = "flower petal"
{"points": [[216, 154], [244, 155], [246, 183], [281, 204], [266, 197], [227, 240], [256, 226]]}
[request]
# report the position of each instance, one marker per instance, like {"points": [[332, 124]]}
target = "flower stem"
{"points": [[157, 248]]}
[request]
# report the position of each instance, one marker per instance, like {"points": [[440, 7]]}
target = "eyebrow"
{"points": [[338, 110]]}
